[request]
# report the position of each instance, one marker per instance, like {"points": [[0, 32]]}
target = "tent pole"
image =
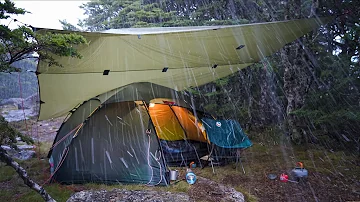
{"points": [[157, 137], [182, 157], [197, 155], [178, 121]]}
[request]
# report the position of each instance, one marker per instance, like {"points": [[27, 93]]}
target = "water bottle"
{"points": [[190, 176]]}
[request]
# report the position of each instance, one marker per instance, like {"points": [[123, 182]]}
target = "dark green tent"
{"points": [[115, 144], [111, 139], [130, 135]]}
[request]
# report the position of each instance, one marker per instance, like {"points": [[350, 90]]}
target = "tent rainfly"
{"points": [[131, 135], [175, 57]]}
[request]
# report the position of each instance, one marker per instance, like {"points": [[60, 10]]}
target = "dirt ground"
{"points": [[335, 181]]}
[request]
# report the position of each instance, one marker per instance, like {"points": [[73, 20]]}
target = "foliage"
{"points": [[9, 134], [22, 43], [68, 26], [331, 112], [333, 104], [105, 14]]}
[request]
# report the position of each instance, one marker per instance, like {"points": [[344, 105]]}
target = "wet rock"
{"points": [[24, 152], [5, 147], [25, 147], [123, 195]]}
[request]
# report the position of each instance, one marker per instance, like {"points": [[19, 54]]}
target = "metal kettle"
{"points": [[299, 172]]}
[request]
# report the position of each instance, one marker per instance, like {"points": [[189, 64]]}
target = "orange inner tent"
{"points": [[176, 123]]}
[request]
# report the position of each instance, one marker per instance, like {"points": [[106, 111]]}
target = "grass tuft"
{"points": [[6, 173]]}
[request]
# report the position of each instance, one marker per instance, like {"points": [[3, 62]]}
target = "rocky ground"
{"points": [[203, 190], [123, 195]]}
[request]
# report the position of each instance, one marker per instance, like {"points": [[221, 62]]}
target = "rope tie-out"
{"points": [[64, 154], [63, 138]]}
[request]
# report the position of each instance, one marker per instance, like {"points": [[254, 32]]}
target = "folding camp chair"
{"points": [[221, 156]]}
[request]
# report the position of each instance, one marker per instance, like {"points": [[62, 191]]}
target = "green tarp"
{"points": [[177, 58]]}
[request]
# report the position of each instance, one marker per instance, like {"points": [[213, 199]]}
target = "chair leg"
{"points": [[238, 159], [212, 166]]}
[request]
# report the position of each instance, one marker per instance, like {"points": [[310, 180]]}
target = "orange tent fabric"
{"points": [[176, 123], [166, 124], [189, 123]]}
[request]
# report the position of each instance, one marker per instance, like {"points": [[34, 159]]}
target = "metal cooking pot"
{"points": [[174, 174]]}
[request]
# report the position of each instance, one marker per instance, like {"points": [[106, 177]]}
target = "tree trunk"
{"points": [[270, 106], [294, 87], [23, 174]]}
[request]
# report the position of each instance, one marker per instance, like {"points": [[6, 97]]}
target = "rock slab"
{"points": [[123, 195]]}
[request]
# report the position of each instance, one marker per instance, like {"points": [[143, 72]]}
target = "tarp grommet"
{"points": [[240, 47], [106, 72]]}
